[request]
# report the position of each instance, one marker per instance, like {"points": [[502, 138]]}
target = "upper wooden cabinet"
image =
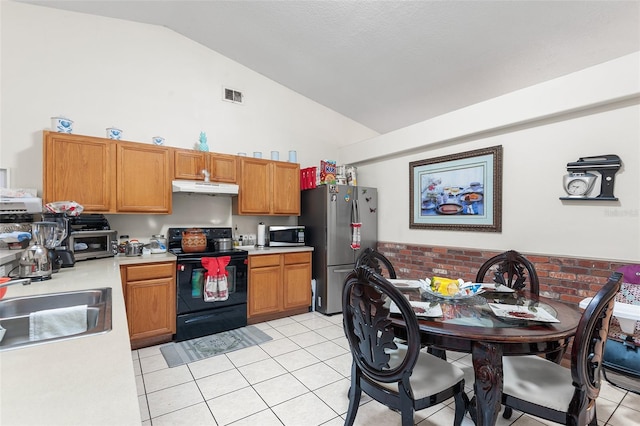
{"points": [[188, 164], [268, 188], [143, 184], [79, 168], [106, 176]]}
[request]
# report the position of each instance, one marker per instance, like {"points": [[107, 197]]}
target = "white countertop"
{"points": [[274, 250], [87, 380]]}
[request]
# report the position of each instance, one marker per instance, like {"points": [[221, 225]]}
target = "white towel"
{"points": [[57, 322]]}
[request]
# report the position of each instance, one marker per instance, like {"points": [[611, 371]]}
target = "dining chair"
{"points": [[397, 375], [378, 262], [509, 269], [544, 389]]}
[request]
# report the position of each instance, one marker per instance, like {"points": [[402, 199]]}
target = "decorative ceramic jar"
{"points": [[113, 133], [193, 240], [62, 124], [157, 140]]}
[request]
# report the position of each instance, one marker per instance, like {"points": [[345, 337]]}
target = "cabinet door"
{"points": [[81, 169], [264, 291], [286, 188], [188, 164], [254, 194], [297, 280], [150, 312], [143, 178], [223, 168]]}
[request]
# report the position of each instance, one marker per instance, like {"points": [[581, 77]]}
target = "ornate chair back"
{"points": [[378, 262], [510, 268]]}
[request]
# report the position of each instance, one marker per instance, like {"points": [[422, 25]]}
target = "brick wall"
{"points": [[567, 279]]}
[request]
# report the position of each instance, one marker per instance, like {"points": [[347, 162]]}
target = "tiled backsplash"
{"points": [[565, 278]]}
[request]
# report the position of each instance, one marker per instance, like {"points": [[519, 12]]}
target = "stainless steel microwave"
{"points": [[93, 244], [286, 236]]}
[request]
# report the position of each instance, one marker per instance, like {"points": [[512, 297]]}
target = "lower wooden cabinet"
{"points": [[150, 300], [279, 285]]}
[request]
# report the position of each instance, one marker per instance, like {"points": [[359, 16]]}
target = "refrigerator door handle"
{"points": [[342, 270]]}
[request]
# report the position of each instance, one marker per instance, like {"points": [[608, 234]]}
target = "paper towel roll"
{"points": [[261, 232]]}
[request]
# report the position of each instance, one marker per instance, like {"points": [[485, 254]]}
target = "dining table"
{"points": [[493, 323]]}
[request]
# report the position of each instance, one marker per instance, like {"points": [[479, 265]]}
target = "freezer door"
{"points": [[329, 289], [339, 206], [367, 199]]}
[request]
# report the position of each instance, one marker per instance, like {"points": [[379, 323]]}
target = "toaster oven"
{"points": [[93, 244]]}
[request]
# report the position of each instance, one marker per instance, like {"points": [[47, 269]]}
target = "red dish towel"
{"points": [[216, 287], [355, 235]]}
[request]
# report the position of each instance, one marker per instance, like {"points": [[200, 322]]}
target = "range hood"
{"points": [[200, 187], [18, 205]]}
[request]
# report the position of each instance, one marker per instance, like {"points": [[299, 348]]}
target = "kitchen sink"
{"points": [[14, 315]]}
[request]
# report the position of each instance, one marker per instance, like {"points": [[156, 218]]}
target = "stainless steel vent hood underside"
{"points": [[199, 187]]}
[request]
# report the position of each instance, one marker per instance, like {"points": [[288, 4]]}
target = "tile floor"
{"points": [[300, 378]]}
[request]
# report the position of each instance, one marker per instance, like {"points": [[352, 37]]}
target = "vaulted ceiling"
{"points": [[389, 64]]}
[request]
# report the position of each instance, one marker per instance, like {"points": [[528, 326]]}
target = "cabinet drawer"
{"points": [[264, 260], [291, 258], [150, 271]]}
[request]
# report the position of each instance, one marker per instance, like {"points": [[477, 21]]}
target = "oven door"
{"points": [[191, 280]]}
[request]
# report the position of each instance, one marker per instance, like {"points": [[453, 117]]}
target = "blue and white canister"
{"points": [[114, 133], [62, 124], [157, 140]]}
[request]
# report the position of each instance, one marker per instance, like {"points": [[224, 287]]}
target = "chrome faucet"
{"points": [[23, 281], [206, 175]]}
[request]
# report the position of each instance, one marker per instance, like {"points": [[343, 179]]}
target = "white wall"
{"points": [[148, 81], [542, 128]]}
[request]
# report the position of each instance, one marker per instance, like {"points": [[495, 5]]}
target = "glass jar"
{"points": [[158, 243]]}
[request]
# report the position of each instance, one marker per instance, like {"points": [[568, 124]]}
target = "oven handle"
{"points": [[199, 318]]}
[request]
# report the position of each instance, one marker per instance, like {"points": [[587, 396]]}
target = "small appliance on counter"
{"points": [[91, 237], [286, 236]]}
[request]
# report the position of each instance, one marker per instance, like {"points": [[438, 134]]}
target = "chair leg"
{"points": [[461, 407], [406, 406], [354, 396], [508, 411]]}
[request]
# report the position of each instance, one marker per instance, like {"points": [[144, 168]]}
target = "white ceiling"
{"points": [[389, 64]]}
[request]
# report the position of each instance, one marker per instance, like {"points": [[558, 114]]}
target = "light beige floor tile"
{"points": [[280, 322], [137, 369], [209, 366], [341, 363], [149, 351], [317, 375], [624, 416], [307, 316], [247, 356], [279, 347], [342, 341], [146, 423], [337, 421], [174, 398], [336, 395], [306, 410], [315, 322], [152, 363], [331, 332], [610, 392], [134, 354], [236, 405], [336, 319], [296, 360], [326, 350], [263, 418], [166, 378], [263, 326], [198, 414], [280, 389], [144, 407], [453, 355], [221, 383], [631, 400], [293, 329], [274, 334], [527, 420], [438, 415], [605, 409], [374, 413], [307, 339], [140, 385], [262, 370]]}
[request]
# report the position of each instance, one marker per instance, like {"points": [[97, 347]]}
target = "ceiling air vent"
{"points": [[232, 95]]}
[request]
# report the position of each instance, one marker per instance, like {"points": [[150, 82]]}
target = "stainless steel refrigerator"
{"points": [[329, 213]]}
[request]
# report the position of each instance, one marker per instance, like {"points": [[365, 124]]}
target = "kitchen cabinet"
{"points": [[279, 285], [106, 176], [268, 188], [150, 301], [143, 184], [188, 165], [79, 168]]}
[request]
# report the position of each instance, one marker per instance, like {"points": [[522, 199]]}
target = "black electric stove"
{"points": [[197, 317]]}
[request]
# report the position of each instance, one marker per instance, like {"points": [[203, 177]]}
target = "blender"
{"points": [[35, 262]]}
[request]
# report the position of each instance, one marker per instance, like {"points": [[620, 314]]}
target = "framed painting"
{"points": [[458, 192]]}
